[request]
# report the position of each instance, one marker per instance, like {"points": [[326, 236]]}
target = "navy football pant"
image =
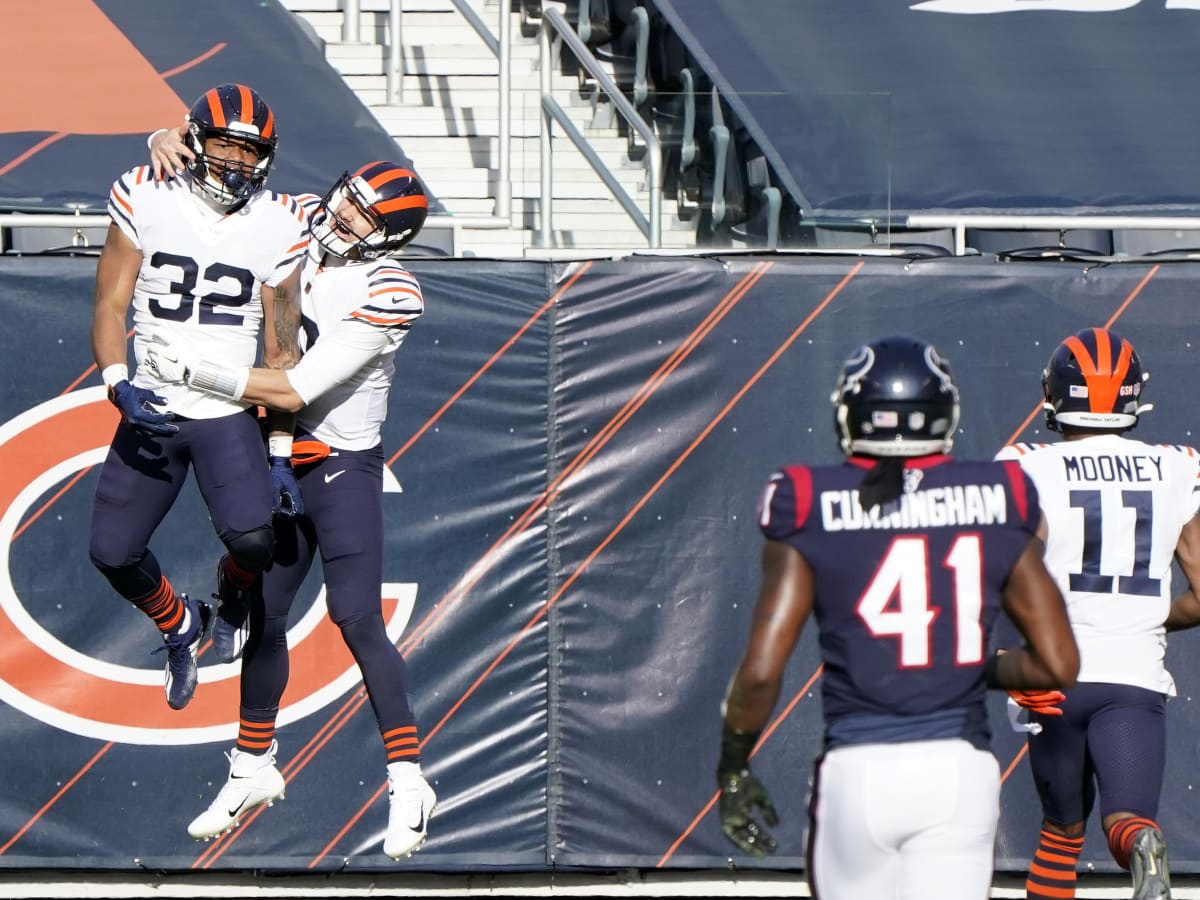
{"points": [[1111, 738], [142, 476], [343, 522]]}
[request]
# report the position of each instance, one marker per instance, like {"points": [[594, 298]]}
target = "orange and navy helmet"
{"points": [[392, 199], [237, 114], [1094, 380]]}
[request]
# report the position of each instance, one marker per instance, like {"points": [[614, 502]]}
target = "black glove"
{"points": [[288, 501], [137, 408], [741, 792]]}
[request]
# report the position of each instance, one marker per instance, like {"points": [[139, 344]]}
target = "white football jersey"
{"points": [[201, 276], [355, 317], [1114, 510]]}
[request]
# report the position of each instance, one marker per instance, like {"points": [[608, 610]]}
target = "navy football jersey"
{"points": [[906, 596]]}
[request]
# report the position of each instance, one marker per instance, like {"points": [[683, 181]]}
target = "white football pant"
{"points": [[910, 821]]}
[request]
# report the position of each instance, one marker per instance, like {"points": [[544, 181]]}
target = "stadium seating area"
{"points": [[727, 173], [712, 168]]}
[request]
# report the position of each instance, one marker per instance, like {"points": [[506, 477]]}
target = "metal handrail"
{"points": [[501, 48], [552, 19], [1017, 222]]}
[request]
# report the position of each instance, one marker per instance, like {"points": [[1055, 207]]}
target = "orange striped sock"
{"points": [[402, 744], [237, 576], [255, 737], [163, 607], [1121, 835], [1052, 872]]}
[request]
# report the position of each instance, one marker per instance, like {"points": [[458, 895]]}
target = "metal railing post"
{"points": [[545, 219], [503, 160], [395, 55], [552, 18], [350, 32]]}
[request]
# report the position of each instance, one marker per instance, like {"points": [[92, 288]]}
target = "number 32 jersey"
{"points": [[200, 283], [905, 597], [1114, 511]]}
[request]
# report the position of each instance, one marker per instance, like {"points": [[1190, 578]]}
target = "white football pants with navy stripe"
{"points": [[910, 821]]}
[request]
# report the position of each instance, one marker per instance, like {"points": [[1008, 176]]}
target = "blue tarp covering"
{"points": [[1029, 105], [89, 79]]}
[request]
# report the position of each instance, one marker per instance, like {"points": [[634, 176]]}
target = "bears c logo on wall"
{"points": [[53, 682]]}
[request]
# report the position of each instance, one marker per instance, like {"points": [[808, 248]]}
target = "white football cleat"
{"points": [[410, 803], [253, 781]]}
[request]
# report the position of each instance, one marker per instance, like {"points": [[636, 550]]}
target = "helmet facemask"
{"points": [[225, 180], [333, 229], [234, 115]]}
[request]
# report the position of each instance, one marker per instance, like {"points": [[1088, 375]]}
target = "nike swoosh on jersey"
{"points": [[329, 476]]}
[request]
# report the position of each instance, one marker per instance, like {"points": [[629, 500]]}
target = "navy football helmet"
{"points": [[237, 114], [389, 196], [895, 397], [1094, 380]]}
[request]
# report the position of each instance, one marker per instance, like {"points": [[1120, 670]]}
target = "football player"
{"points": [[198, 258], [905, 796], [1117, 513], [357, 304]]}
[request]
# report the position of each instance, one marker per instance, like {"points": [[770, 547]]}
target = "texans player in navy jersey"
{"points": [[906, 557], [356, 303]]}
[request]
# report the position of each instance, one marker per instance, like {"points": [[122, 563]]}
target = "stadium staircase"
{"points": [[447, 122]]}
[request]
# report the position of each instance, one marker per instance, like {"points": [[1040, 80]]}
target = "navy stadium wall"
{"points": [[577, 450]]}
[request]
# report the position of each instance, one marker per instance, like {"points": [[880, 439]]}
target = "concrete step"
{"points": [[360, 64], [483, 150], [401, 121], [525, 90], [424, 29], [375, 6], [445, 167], [450, 182], [484, 206], [431, 94], [446, 164], [448, 121]]}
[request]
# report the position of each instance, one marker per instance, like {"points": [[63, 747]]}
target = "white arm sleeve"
{"points": [[335, 357]]}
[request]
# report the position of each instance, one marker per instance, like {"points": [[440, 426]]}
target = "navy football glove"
{"points": [[288, 501], [741, 792], [137, 408]]}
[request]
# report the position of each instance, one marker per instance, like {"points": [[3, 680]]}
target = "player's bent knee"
{"points": [[252, 550], [364, 634], [110, 560]]}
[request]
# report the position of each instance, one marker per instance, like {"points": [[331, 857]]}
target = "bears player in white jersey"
{"points": [[1117, 512], [906, 557], [199, 259], [356, 304]]}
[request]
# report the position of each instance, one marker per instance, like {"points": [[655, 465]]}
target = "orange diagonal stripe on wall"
{"points": [[73, 71]]}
